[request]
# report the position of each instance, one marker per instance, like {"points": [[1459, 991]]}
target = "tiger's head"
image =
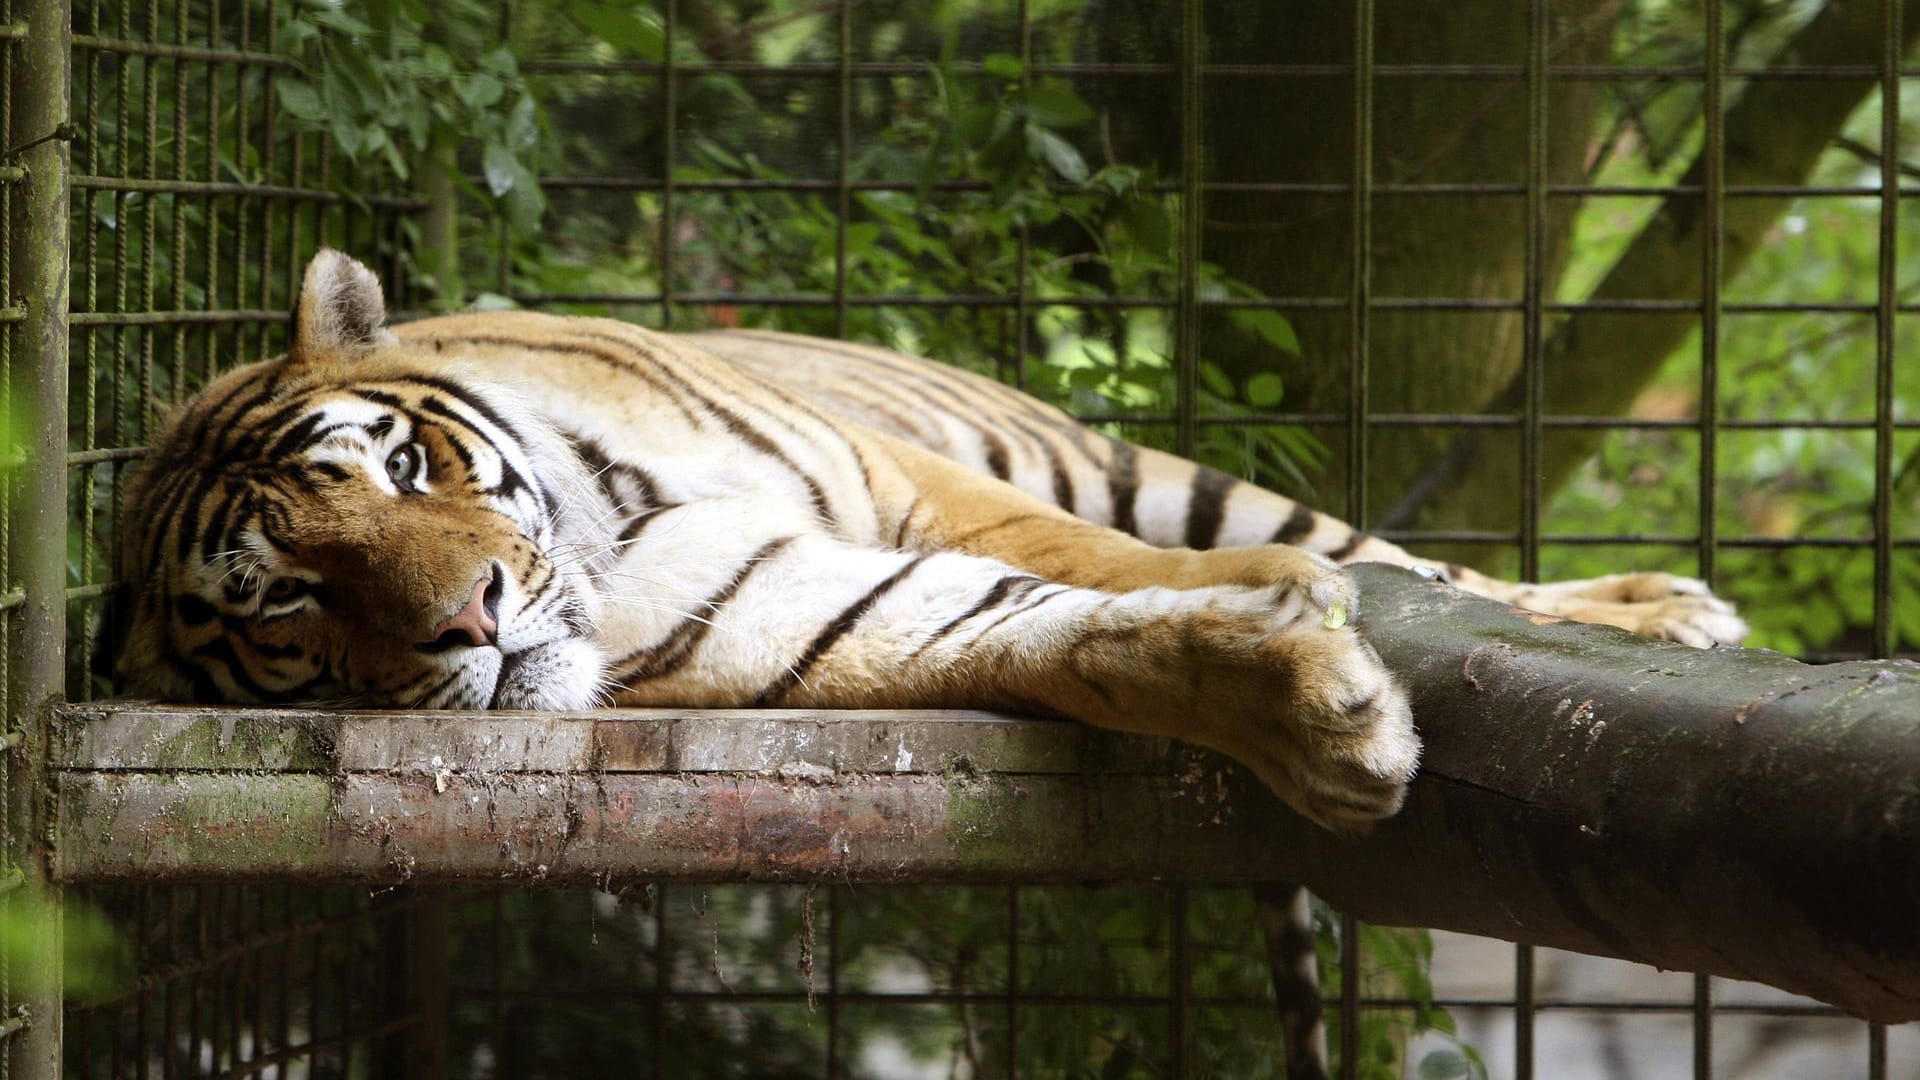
{"points": [[360, 521]]}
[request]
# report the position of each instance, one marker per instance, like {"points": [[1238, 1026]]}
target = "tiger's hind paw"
{"points": [[1659, 605]]}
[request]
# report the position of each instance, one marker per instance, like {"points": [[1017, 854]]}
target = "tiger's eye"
{"points": [[283, 590], [405, 465]]}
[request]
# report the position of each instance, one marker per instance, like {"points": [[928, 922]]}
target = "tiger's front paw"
{"points": [[1313, 710], [1347, 747]]}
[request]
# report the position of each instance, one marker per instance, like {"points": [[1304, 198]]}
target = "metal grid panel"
{"points": [[203, 256], [193, 206], [674, 305]]}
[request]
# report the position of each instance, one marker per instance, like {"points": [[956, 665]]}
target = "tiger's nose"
{"points": [[476, 624]]}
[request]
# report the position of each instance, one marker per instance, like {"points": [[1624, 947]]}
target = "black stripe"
{"points": [[1353, 542], [466, 396], [906, 520], [911, 375], [671, 653], [222, 650], [250, 438], [993, 596], [841, 625], [639, 522], [644, 495], [1021, 593], [382, 397], [754, 437], [1056, 465], [1297, 527], [213, 411], [294, 436], [422, 702], [1207, 506], [996, 454], [191, 609], [510, 478]]}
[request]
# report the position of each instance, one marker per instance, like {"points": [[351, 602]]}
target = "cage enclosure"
{"points": [[1547, 288]]}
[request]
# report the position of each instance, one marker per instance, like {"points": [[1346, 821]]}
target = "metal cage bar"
{"points": [[179, 303]]}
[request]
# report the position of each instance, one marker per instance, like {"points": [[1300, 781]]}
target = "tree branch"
{"points": [[1595, 363], [1729, 811]]}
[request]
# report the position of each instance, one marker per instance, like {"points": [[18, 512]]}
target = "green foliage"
{"points": [[1775, 483], [1092, 972], [35, 935], [392, 80]]}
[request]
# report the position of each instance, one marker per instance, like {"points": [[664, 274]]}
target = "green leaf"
{"points": [[479, 90], [522, 131], [502, 168], [299, 98], [1002, 66], [1146, 220], [1216, 380], [1443, 1065], [1058, 153], [348, 136], [1269, 326], [336, 19], [626, 30], [1264, 390], [1056, 106]]}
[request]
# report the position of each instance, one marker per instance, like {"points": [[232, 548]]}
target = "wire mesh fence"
{"points": [[1140, 247]]}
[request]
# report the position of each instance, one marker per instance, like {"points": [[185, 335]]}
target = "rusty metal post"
{"points": [[37, 235]]}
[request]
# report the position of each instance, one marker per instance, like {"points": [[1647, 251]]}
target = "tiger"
{"points": [[521, 510]]}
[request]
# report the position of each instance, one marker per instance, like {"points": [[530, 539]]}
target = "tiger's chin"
{"points": [[557, 676]]}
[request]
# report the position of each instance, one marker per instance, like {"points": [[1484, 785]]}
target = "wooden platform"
{"points": [[162, 794]]}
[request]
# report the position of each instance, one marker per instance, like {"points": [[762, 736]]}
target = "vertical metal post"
{"points": [[1885, 327], [1180, 975], [38, 237], [842, 192], [1886, 324], [1359, 322], [1192, 165], [1712, 245], [1532, 403], [669, 152], [423, 929], [1350, 980], [1360, 302], [1535, 297], [1523, 1012], [1024, 243], [1702, 1027]]}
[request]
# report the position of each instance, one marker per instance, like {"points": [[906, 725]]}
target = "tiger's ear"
{"points": [[340, 314]]}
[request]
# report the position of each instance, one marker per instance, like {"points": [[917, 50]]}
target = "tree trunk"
{"points": [[1425, 131]]}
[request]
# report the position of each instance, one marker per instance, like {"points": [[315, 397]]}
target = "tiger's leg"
{"points": [[1169, 501], [1249, 671]]}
